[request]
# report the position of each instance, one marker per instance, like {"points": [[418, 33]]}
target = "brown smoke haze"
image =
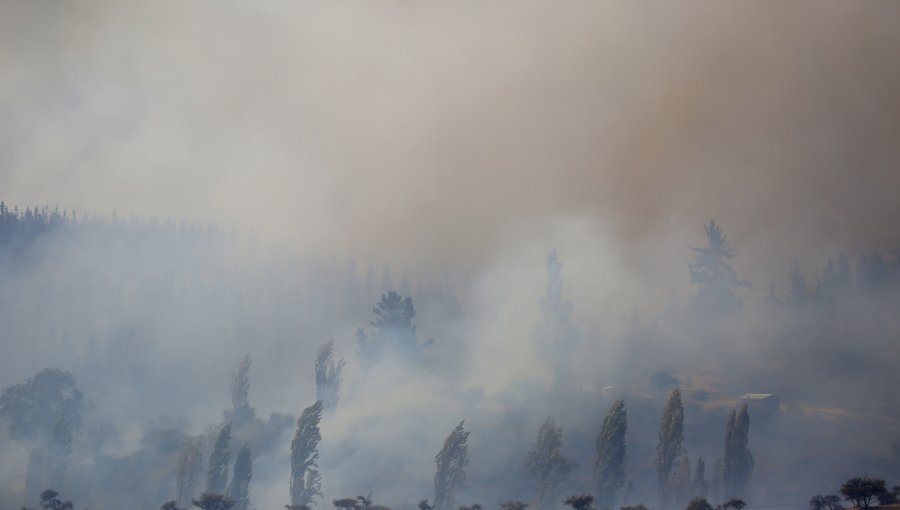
{"points": [[449, 131]]}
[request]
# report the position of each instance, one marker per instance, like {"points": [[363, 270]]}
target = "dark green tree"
{"points": [[306, 482], [328, 376], [345, 503], [580, 501], [450, 474], [670, 448], [862, 491], [699, 504], [827, 502], [711, 271], [239, 488], [209, 501], [546, 466], [217, 474], [513, 505], [609, 467], [736, 503], [394, 330], [738, 465]]}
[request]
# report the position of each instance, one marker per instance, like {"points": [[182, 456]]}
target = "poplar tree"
{"points": [[546, 465], [701, 487], [609, 467], [306, 482], [328, 376], [239, 489], [450, 475], [217, 475], [738, 465], [190, 464], [670, 447]]}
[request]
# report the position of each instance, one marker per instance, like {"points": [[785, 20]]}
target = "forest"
{"points": [[380, 375]]}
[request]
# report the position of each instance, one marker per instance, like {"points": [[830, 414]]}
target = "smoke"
{"points": [[428, 132], [454, 144]]}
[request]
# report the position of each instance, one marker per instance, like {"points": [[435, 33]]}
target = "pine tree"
{"points": [[711, 271], [240, 394], [239, 489], [556, 334], [609, 468], [328, 376], [799, 292], [670, 447], [394, 331], [738, 465], [217, 475], [190, 464], [547, 467], [450, 474], [306, 482]]}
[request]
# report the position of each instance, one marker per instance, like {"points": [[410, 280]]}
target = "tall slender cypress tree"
{"points": [[217, 476], [609, 468], [738, 465], [450, 475], [670, 447], [306, 482], [239, 489]]}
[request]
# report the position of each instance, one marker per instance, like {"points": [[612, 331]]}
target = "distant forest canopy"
{"points": [[866, 272]]}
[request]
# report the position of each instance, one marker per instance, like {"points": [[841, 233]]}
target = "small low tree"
{"points": [[580, 501], [829, 502], [210, 501], [736, 503], [635, 507], [345, 503], [513, 505], [699, 504], [863, 490]]}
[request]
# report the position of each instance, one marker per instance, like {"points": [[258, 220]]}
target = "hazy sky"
{"points": [[454, 130]]}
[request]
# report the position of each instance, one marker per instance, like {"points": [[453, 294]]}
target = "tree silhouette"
{"points": [[546, 466], [739, 463], [42, 414], [863, 490], [217, 474], [450, 475], [328, 376], [580, 501], [306, 483], [242, 413], [711, 271], [609, 467], [239, 489], [190, 464], [210, 501], [669, 449]]}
